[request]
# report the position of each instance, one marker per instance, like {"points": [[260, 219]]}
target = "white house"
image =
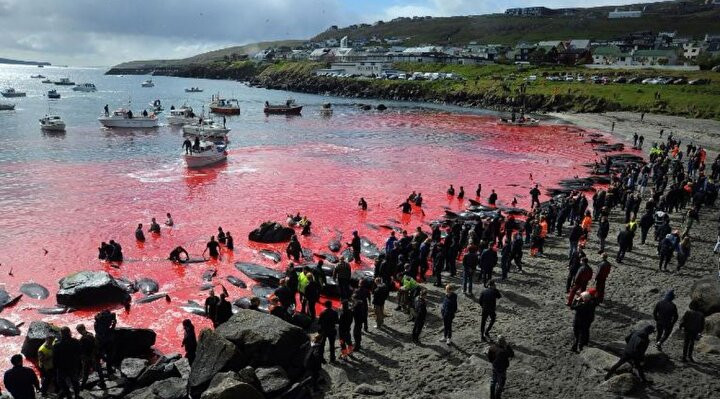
{"points": [[321, 53], [331, 42], [691, 50]]}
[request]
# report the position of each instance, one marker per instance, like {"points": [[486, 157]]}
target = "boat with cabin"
{"points": [[53, 94], [85, 87], [223, 106], [182, 116], [194, 90], [64, 82], [10, 92], [124, 118], [289, 108], [52, 123], [7, 107], [148, 83], [47, 81], [206, 128], [206, 153]]}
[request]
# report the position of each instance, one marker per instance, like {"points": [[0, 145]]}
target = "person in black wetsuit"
{"points": [[187, 146], [196, 144], [213, 247], [294, 250], [189, 341], [418, 200], [535, 195], [224, 309], [221, 236], [154, 226], [229, 241], [461, 193], [139, 235], [492, 199], [21, 381], [406, 207], [362, 204], [116, 254], [175, 255], [451, 191], [478, 191], [356, 246], [211, 307]]}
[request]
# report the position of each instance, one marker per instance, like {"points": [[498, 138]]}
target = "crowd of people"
{"points": [[646, 194]]}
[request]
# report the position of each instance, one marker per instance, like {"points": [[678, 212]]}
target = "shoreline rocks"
{"points": [[90, 288]]}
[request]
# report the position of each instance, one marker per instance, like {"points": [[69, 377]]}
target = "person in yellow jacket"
{"points": [[46, 365], [302, 284]]}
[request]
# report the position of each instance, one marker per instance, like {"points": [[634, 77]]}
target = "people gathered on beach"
{"points": [[637, 195]]}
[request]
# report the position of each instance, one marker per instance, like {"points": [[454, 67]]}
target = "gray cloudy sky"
{"points": [[106, 32]]}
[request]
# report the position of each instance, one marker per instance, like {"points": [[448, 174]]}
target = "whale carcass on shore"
{"points": [[34, 290], [8, 328], [147, 286], [7, 300]]}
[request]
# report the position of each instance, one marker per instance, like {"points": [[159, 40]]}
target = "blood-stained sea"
{"points": [[56, 209]]}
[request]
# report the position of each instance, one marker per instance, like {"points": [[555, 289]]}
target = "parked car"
{"points": [[679, 81], [634, 80], [696, 82], [620, 79]]}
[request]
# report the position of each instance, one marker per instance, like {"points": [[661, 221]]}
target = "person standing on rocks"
{"points": [[211, 307], [438, 262], [488, 259], [379, 296], [573, 267], [470, 263], [623, 239], [693, 323], [20, 381], [634, 353], [447, 311], [189, 341], [345, 320], [584, 308], [360, 313], [420, 315], [104, 327], [45, 364], [602, 233], [66, 357], [89, 358], [665, 315], [582, 278], [328, 322], [488, 301], [601, 277], [314, 360], [499, 355], [342, 275], [224, 309], [516, 252], [574, 238], [535, 197]]}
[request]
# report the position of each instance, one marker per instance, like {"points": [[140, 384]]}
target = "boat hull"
{"points": [[7, 107], [12, 95], [200, 161], [283, 110], [199, 131], [52, 128], [84, 89], [225, 111], [134, 123], [179, 120]]}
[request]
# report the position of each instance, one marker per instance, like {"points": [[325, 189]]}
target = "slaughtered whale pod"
{"points": [[147, 286], [272, 255], [34, 290], [236, 281]]}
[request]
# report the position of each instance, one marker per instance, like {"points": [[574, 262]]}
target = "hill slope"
{"points": [[688, 18], [19, 62]]}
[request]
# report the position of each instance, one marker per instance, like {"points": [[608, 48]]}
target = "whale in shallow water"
{"points": [[147, 286], [127, 284], [236, 281], [154, 297], [209, 274], [6, 300], [34, 290], [56, 310], [194, 308], [260, 273], [8, 328], [272, 255]]}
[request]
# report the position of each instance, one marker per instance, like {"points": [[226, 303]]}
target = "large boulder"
{"points": [[232, 389], [708, 344], [599, 360], [273, 380], [162, 369], [705, 294], [712, 325], [265, 340], [623, 384], [171, 388], [214, 354], [132, 368], [36, 334], [246, 375], [271, 232], [134, 342], [90, 288]]}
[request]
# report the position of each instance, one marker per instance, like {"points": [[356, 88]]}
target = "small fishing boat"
{"points": [[208, 153], [206, 128], [53, 94], [194, 90], [65, 82], [37, 76], [156, 106], [522, 121], [7, 107], [10, 92], [326, 110], [124, 118], [147, 83], [289, 108], [85, 87], [52, 123], [47, 81], [182, 116], [226, 107]]}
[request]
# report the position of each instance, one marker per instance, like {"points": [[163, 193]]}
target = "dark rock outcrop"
{"points": [[214, 354], [89, 288], [132, 368], [134, 342], [8, 328], [36, 334], [163, 369], [171, 388], [271, 232], [705, 294], [273, 380]]}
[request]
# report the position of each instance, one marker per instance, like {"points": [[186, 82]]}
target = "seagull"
{"points": [[46, 251]]}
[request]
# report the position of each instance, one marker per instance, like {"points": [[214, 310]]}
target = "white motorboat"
{"points": [[65, 82], [156, 106], [124, 118], [37, 76], [148, 83], [85, 87], [52, 123], [47, 81], [194, 90], [182, 116], [53, 94], [208, 153], [7, 107], [206, 128], [10, 92]]}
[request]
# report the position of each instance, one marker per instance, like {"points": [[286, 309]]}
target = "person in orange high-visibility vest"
{"points": [[586, 224], [543, 233]]}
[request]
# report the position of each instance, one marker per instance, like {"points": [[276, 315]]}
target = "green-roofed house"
{"points": [[655, 57], [611, 55]]}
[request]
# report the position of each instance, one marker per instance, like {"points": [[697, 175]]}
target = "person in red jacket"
{"points": [[582, 278], [601, 276]]}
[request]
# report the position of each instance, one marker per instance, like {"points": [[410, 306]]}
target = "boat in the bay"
{"points": [[7, 107], [10, 92], [38, 76], [156, 106], [208, 153], [124, 118], [47, 81], [64, 82], [52, 123], [326, 110], [289, 108], [223, 106], [53, 94], [206, 128], [522, 121], [182, 116], [194, 90], [147, 83], [85, 87]]}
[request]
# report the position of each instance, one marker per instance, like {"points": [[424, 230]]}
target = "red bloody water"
{"points": [[68, 207]]}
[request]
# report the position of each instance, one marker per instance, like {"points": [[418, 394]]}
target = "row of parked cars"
{"points": [[660, 80], [420, 76]]}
